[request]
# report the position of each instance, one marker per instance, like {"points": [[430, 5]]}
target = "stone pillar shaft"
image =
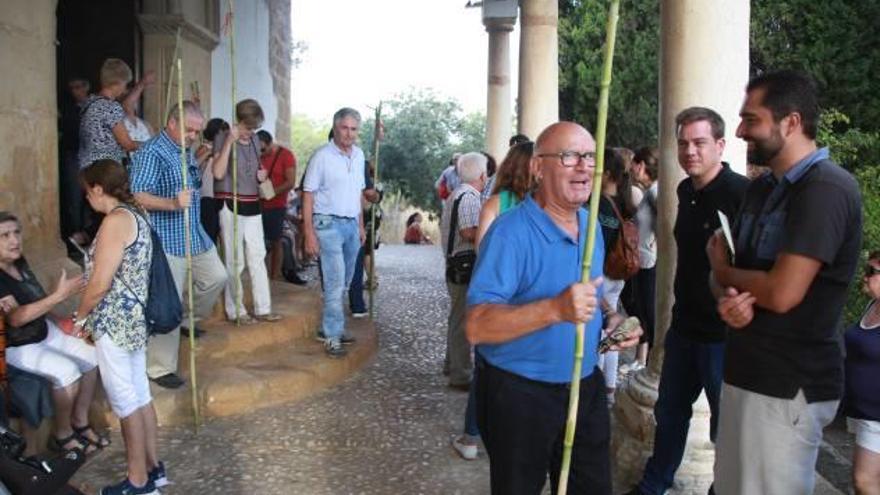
{"points": [[538, 101], [693, 31], [498, 122]]}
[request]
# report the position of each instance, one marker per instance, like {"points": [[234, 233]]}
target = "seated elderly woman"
{"points": [[37, 341]]}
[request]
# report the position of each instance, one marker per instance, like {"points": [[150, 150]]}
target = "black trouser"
{"points": [[522, 423]]}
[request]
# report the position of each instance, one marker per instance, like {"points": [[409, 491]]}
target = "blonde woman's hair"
{"points": [[113, 71]]}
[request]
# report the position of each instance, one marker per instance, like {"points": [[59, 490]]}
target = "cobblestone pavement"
{"points": [[386, 430]]}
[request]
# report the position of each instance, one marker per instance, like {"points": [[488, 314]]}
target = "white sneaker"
{"points": [[359, 315], [467, 451]]}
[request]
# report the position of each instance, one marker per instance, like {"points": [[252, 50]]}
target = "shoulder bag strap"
{"points": [[453, 223], [274, 161], [616, 211], [138, 227]]}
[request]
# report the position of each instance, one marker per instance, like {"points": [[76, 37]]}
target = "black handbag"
{"points": [[460, 266]]}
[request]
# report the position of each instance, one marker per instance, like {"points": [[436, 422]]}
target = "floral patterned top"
{"points": [[98, 117], [120, 314]]}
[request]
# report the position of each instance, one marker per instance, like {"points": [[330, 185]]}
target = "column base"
{"points": [[632, 438]]}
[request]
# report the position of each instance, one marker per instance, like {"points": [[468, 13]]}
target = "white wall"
{"points": [[252, 76]]}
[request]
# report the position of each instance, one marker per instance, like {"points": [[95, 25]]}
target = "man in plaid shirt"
{"points": [[472, 172], [157, 184]]}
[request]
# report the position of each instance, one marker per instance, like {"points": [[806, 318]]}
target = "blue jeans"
{"points": [[688, 368], [470, 413], [339, 239], [356, 289]]}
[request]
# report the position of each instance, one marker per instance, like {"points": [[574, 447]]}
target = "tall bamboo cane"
{"points": [[181, 123], [174, 57], [587, 261], [376, 131], [236, 293]]}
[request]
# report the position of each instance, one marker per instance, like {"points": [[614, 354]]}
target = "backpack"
{"points": [[622, 261], [163, 309]]}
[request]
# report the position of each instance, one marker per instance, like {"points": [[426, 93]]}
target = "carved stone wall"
{"points": [[280, 65], [28, 125]]}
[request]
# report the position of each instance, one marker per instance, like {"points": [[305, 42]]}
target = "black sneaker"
{"points": [[184, 332], [334, 348], [345, 340], [158, 476], [126, 488], [170, 380]]}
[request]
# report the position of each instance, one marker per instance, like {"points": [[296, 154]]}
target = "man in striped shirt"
{"points": [[157, 184]]}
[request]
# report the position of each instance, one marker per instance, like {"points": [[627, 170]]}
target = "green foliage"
{"points": [[869, 182], [830, 40], [633, 101], [850, 147], [422, 131], [306, 136]]}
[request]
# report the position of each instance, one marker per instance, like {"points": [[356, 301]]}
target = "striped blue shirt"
{"points": [[155, 169]]}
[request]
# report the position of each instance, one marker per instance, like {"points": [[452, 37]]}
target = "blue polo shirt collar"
{"points": [[546, 226], [795, 173]]}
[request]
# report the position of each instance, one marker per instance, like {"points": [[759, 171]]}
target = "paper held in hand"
{"points": [[725, 229]]}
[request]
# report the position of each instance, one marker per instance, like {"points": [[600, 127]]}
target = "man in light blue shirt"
{"points": [[524, 300], [332, 222]]}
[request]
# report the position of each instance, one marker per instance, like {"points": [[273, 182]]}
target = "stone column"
{"points": [[29, 132], [498, 123], [538, 102], [691, 31]]}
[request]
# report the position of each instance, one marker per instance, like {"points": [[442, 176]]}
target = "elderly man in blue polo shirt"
{"points": [[157, 184], [524, 300], [332, 221]]}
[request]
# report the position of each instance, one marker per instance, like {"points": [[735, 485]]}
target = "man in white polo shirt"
{"points": [[332, 221]]}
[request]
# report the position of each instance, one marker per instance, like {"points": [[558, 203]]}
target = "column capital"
{"points": [[499, 24]]}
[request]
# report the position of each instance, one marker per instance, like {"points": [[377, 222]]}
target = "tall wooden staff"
{"points": [[587, 261], [237, 285], [376, 138], [174, 57], [181, 123]]}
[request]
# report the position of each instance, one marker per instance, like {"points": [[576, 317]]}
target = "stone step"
{"points": [[226, 343], [243, 369]]}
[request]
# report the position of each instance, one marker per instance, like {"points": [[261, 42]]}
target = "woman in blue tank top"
{"points": [[862, 393]]}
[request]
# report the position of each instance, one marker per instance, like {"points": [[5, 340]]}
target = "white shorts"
{"points": [[124, 375], [60, 358], [867, 433]]}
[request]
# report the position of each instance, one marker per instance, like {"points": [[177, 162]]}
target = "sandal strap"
{"points": [[80, 432]]}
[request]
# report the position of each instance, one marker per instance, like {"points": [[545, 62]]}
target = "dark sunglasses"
{"points": [[871, 270]]}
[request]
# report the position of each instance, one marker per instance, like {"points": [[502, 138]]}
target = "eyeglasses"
{"points": [[573, 158], [871, 270]]}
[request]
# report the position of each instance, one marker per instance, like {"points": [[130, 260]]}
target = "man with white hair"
{"points": [[461, 215], [332, 219]]}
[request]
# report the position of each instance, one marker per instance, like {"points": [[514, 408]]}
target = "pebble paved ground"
{"points": [[384, 431]]}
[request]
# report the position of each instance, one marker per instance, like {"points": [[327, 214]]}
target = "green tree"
{"points": [[306, 135], [831, 41], [422, 130], [633, 101]]}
